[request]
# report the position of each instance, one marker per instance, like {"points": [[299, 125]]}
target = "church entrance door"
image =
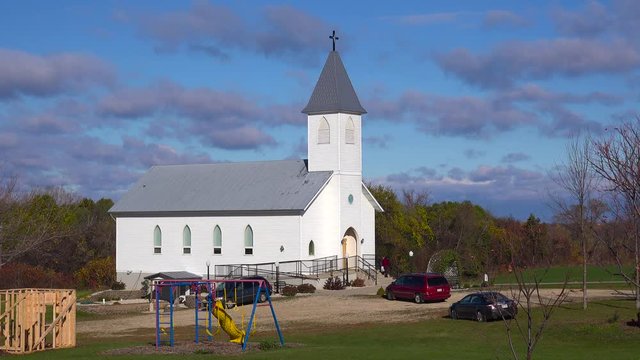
{"points": [[349, 247]]}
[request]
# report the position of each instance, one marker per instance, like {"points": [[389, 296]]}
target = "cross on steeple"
{"points": [[334, 38]]}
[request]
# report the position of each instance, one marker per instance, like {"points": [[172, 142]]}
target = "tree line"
{"points": [[48, 236], [471, 236]]}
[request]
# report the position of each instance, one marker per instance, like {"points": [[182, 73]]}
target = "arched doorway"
{"points": [[349, 246]]}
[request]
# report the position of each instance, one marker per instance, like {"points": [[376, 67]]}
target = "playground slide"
{"points": [[226, 323]]}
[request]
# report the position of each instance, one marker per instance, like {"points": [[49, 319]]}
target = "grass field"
{"points": [[598, 333], [595, 274], [83, 293]]}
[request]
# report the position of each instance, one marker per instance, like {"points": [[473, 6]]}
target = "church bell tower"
{"points": [[334, 121], [334, 141]]}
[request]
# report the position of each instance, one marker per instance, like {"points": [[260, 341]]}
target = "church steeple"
{"points": [[334, 118], [333, 92]]}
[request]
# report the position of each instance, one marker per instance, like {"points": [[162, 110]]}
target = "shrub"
{"points": [[333, 283], [306, 289], [358, 282], [118, 285], [289, 290], [97, 273], [202, 351], [18, 275], [268, 345], [381, 292]]}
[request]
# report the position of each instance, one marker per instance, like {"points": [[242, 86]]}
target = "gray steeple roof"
{"points": [[333, 92]]}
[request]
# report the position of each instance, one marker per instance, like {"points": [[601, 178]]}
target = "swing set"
{"points": [[215, 309]]}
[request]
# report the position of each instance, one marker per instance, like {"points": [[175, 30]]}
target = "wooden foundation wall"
{"points": [[37, 319]]}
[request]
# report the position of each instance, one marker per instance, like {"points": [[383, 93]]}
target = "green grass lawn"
{"points": [[83, 293], [595, 274], [598, 333]]}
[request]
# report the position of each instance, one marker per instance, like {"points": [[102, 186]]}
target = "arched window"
{"points": [[157, 240], [248, 240], [217, 240], [186, 240], [312, 248], [350, 132], [324, 132]]}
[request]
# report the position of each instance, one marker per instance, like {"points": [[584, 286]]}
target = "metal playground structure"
{"points": [[205, 298]]}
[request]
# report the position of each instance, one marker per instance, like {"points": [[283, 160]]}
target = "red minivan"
{"points": [[420, 287]]}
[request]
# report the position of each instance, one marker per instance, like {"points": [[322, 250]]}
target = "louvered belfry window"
{"points": [[324, 132], [350, 132]]}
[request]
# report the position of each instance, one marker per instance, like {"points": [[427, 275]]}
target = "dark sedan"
{"points": [[243, 292], [483, 306]]}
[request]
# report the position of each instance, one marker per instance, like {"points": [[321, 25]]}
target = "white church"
{"points": [[189, 217]]}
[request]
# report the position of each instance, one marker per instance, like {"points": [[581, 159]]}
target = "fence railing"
{"points": [[292, 268], [303, 269]]}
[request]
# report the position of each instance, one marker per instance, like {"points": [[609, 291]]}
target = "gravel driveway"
{"points": [[344, 307]]}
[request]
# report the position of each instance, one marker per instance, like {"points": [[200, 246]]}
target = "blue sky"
{"points": [[466, 100]]}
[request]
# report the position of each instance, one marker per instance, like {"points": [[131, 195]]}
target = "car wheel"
{"points": [[262, 298], [453, 315], [390, 296], [418, 298], [480, 316]]}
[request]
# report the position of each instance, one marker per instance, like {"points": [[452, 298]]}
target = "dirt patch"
{"points": [[189, 347], [114, 309]]}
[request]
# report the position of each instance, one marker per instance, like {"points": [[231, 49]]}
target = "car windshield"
{"points": [[437, 281], [495, 297]]}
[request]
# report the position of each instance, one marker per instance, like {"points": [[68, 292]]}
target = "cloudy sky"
{"points": [[472, 100]]}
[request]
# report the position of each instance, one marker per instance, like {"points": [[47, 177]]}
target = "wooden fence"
{"points": [[37, 319]]}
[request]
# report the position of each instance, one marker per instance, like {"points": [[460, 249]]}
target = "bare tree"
{"points": [[577, 178], [528, 296], [617, 160], [533, 305]]}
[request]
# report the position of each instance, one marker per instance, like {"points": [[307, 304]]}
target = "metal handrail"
{"points": [[295, 268], [304, 269]]}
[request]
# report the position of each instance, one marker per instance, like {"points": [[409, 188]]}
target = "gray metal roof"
{"points": [[284, 186], [333, 92], [174, 275]]}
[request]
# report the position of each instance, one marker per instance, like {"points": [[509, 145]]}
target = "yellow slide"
{"points": [[226, 323]]}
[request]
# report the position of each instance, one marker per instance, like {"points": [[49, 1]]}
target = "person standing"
{"points": [[385, 266]]}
